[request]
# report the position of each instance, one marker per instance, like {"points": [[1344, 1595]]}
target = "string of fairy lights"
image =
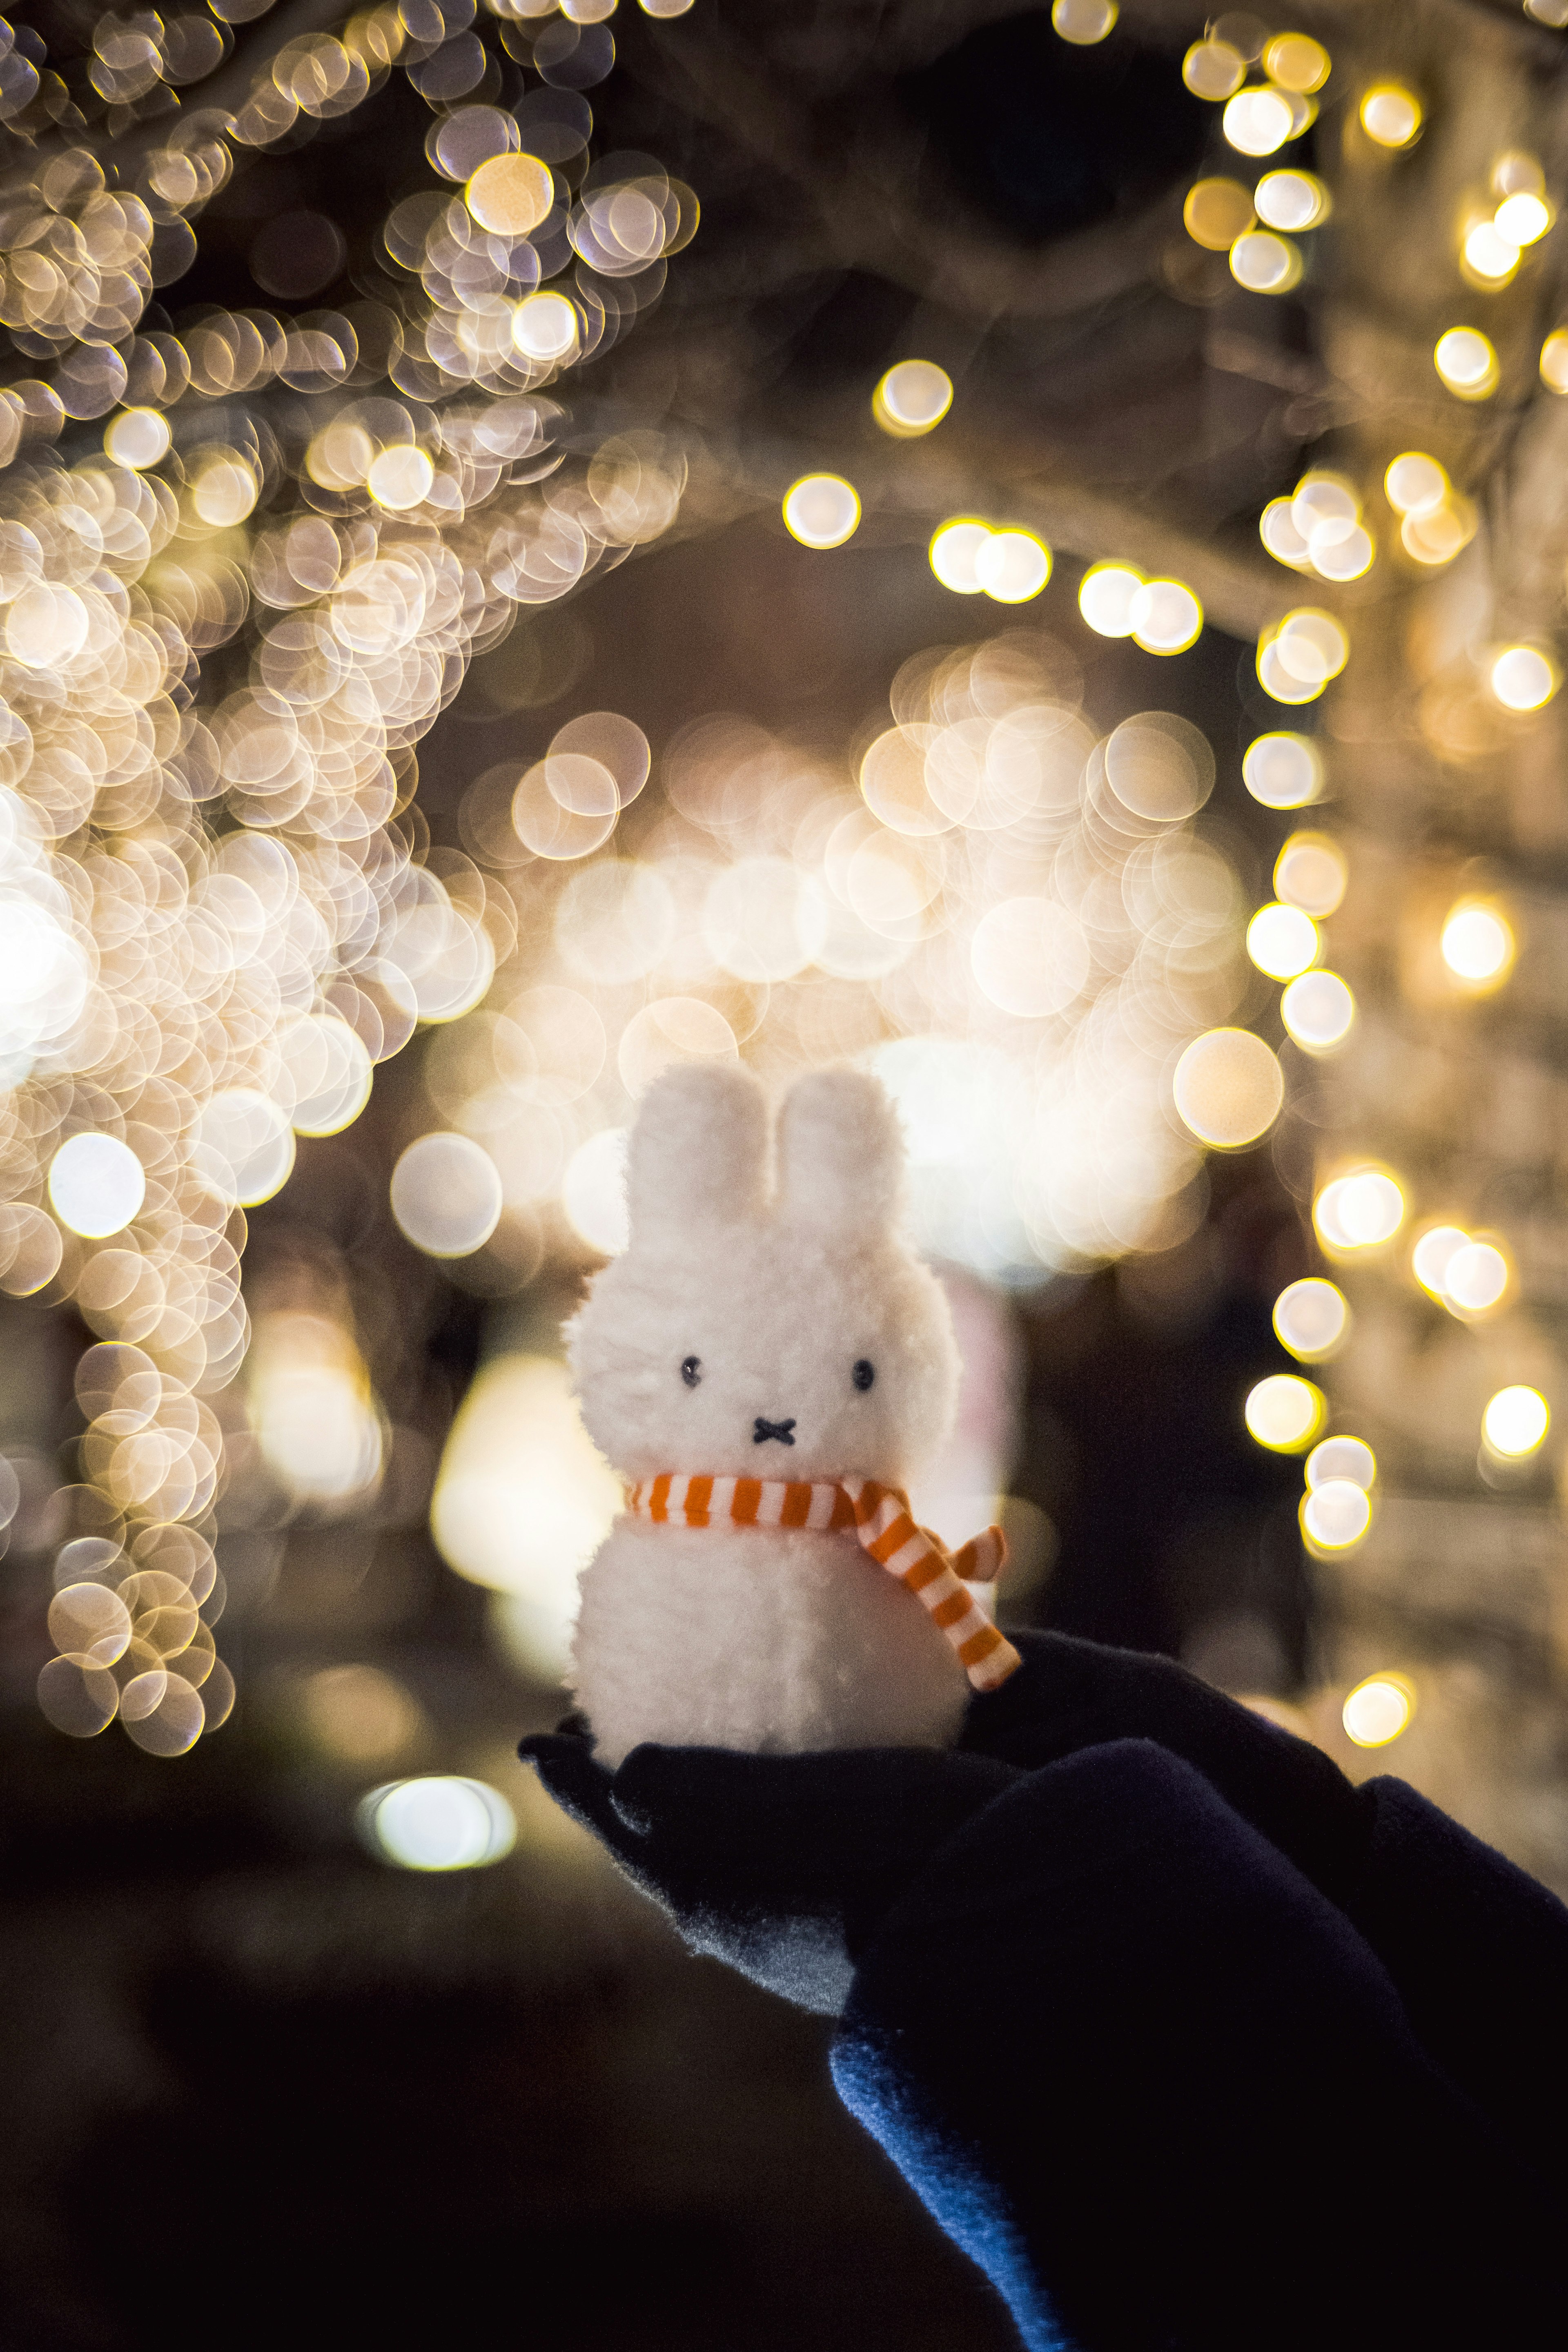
{"points": [[216, 926]]}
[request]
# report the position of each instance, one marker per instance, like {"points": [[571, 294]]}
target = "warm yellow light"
{"points": [[1297, 62], [510, 194], [1359, 1211], [1293, 201], [1378, 1710], [1285, 1412], [1213, 70], [1478, 942], [1489, 255], [1283, 771], [1436, 1250], [545, 328], [1347, 1458], [399, 477], [1525, 218], [1467, 363], [1515, 1422], [136, 438], [1312, 1318], [1297, 659], [1167, 616], [1215, 213], [1438, 537], [446, 1196], [1083, 22], [1476, 1278], [1335, 1513], [1283, 941], [1555, 360], [912, 398], [1391, 114], [1523, 677], [1415, 484], [1318, 1011], [1229, 1088], [224, 492], [1105, 596], [1264, 263], [821, 511], [1310, 873], [1012, 566], [1258, 122], [955, 551]]}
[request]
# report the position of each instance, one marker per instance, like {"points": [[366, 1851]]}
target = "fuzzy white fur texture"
{"points": [[745, 1637]]}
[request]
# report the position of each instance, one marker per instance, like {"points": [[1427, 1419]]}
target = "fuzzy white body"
{"points": [[775, 1641], [787, 1337]]}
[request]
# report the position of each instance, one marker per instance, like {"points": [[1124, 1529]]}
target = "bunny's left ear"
{"points": [[841, 1154]]}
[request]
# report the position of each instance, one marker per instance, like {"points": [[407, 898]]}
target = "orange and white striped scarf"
{"points": [[880, 1518]]}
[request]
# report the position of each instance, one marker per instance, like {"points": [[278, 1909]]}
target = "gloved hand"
{"points": [[785, 1866]]}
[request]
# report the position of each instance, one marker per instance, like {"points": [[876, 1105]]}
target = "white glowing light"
{"points": [[545, 327], [97, 1185], [1476, 1277], [244, 1146], [399, 477], [1336, 1513], [1312, 1318], [1284, 1411], [1415, 484], [1265, 263], [1283, 941], [1258, 122], [955, 555], [1083, 22], [593, 1190], [314, 1415], [440, 1823], [136, 438], [1378, 1710], [912, 398], [1525, 218], [1229, 1088], [446, 1196], [1467, 363], [1391, 114], [1359, 1211], [1515, 1423], [1283, 771], [1167, 616], [523, 1499], [1477, 941], [1012, 566], [1106, 597], [1291, 200], [821, 511], [1489, 255], [1318, 1011], [1343, 1458], [1523, 677], [1434, 1253]]}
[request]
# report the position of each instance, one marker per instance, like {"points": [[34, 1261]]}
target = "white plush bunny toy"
{"points": [[767, 1376]]}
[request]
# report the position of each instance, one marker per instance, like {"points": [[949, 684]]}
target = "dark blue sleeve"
{"points": [[1166, 2094]]}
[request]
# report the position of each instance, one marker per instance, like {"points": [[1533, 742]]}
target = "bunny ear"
{"points": [[698, 1152], [841, 1154]]}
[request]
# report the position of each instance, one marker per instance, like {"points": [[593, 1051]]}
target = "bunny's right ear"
{"points": [[698, 1152]]}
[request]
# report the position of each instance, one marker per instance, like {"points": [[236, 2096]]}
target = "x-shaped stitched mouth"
{"points": [[784, 1431]]}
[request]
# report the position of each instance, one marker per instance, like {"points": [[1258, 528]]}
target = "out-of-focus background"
{"points": [[1018, 547]]}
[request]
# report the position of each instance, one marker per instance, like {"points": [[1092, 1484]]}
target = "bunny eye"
{"points": [[692, 1370], [864, 1373]]}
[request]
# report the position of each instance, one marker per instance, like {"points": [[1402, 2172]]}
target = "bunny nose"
{"points": [[784, 1431]]}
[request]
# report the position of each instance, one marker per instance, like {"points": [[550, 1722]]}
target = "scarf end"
{"points": [[988, 1659]]}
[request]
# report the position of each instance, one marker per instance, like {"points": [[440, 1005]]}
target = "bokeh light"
{"points": [[1310, 873], [97, 1184], [1083, 22], [1360, 1211], [1283, 941], [440, 1823], [1105, 596], [821, 511], [446, 1196], [914, 396], [1229, 1089], [1523, 677], [1378, 1709], [1478, 943], [1283, 771], [1318, 1011], [1312, 1318], [1285, 1412], [1467, 363], [1258, 122], [1515, 1423], [1335, 1513], [1391, 114], [955, 553]]}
